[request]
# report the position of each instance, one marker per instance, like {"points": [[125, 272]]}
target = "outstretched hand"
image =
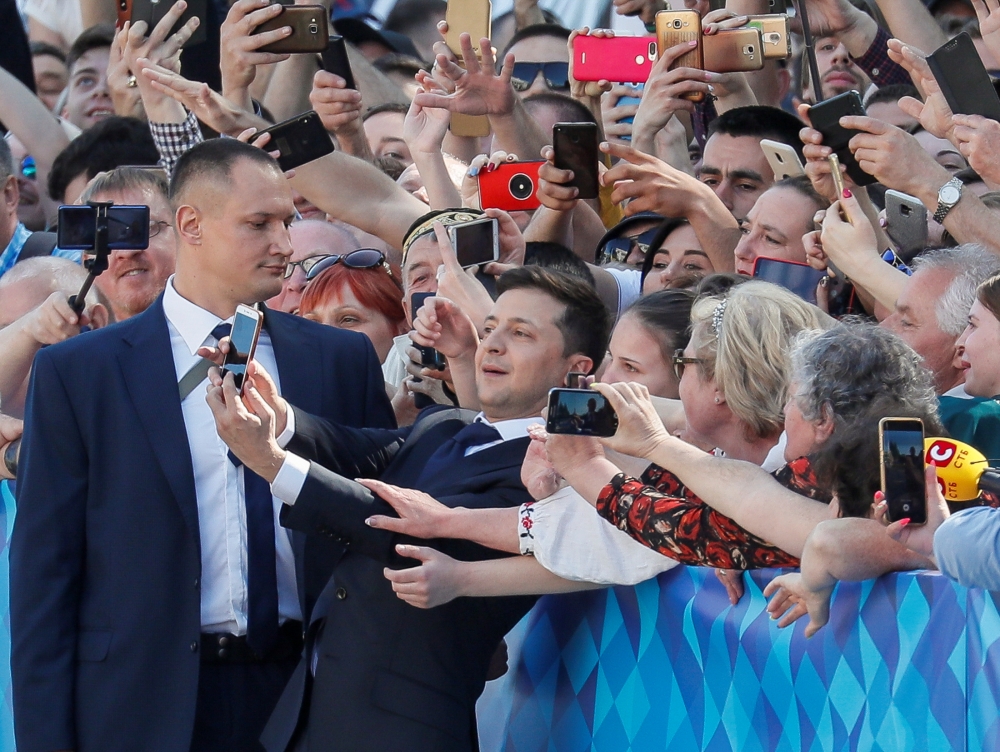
{"points": [[479, 90], [793, 599], [420, 515], [436, 581]]}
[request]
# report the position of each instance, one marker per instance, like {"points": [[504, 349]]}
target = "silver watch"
{"points": [[948, 196]]}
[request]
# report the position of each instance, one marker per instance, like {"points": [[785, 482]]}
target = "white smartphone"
{"points": [[242, 343], [785, 163], [476, 242]]}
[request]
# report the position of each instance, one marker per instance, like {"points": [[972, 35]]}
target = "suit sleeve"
{"points": [[378, 408], [46, 561], [352, 452]]}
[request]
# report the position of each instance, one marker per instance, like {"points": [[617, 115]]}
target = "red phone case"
{"points": [[510, 187], [616, 59]]}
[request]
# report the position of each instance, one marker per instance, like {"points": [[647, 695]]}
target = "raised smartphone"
{"points": [[836, 174], [310, 29], [471, 16], [825, 117], [796, 277], [128, 228], [512, 186], [575, 146], [776, 41], [153, 11], [580, 412], [674, 27], [733, 50], [906, 222], [901, 443], [299, 140], [476, 242], [335, 60], [429, 357], [617, 59], [963, 78], [242, 343], [784, 160]]}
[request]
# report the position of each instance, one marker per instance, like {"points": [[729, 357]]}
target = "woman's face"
{"points": [[774, 228], [344, 311], [800, 433], [679, 256], [636, 356], [703, 414], [981, 357]]}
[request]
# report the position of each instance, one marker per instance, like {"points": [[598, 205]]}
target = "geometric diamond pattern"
{"points": [[910, 661]]}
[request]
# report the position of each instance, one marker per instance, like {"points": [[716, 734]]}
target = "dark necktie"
{"points": [[453, 450], [262, 576]]}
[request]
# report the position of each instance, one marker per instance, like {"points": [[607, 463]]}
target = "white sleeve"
{"points": [[571, 540], [287, 484], [289, 431], [629, 286]]}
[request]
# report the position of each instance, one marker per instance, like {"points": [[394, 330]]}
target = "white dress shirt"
{"points": [[218, 483]]}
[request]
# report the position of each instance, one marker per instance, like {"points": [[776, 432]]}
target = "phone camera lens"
{"points": [[677, 23], [314, 28], [521, 187], [906, 507]]}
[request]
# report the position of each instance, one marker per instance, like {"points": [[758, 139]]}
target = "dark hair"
{"points": [[585, 324], [99, 35], [667, 315], [44, 48], [378, 109], [397, 62], [558, 257], [390, 165], [719, 283], [536, 30], [215, 158], [802, 185], [892, 93], [568, 110], [760, 121], [113, 142], [664, 231]]}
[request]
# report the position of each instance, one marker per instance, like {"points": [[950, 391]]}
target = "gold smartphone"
{"points": [[838, 178], [674, 27], [472, 16], [732, 50], [777, 42]]}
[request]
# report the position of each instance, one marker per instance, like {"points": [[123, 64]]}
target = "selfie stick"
{"points": [[99, 263], [810, 49]]}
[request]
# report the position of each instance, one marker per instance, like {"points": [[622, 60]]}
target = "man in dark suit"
{"points": [[154, 597], [379, 674]]}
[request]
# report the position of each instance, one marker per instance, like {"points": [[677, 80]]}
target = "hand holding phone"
{"points": [[580, 412], [825, 117], [512, 186], [336, 60], [299, 140], [310, 29], [476, 242], [242, 344], [575, 146]]}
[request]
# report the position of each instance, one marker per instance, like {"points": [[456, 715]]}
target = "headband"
{"points": [[425, 224]]}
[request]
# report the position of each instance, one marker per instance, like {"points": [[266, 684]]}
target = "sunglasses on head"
{"points": [[363, 258], [556, 75], [617, 250]]}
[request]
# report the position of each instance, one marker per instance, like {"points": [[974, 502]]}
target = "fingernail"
{"points": [[881, 221], [847, 193], [368, 522], [473, 172], [879, 496], [693, 43], [904, 522]]}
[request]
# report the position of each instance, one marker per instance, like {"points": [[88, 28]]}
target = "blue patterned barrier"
{"points": [[908, 662]]}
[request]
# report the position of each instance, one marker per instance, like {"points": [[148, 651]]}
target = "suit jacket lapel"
{"points": [[300, 365], [148, 367]]}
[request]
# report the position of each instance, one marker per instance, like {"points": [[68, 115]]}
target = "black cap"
{"points": [[356, 31]]}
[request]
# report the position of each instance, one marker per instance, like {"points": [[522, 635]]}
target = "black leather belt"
{"points": [[228, 648]]}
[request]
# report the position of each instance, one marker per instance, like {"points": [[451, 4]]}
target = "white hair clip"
{"points": [[717, 316]]}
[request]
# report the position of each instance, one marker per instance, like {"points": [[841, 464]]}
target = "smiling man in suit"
{"points": [[155, 602], [379, 674]]}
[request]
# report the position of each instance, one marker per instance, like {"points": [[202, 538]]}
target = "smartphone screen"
{"points": [[475, 242], [128, 228], [902, 441], [575, 146], [582, 412], [243, 341], [800, 279]]}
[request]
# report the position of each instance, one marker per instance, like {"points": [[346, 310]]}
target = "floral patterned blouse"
{"points": [[660, 512]]}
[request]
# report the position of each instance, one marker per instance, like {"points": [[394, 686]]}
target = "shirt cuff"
{"points": [[287, 484], [289, 431], [525, 522]]}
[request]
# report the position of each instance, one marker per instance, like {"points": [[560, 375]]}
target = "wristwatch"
{"points": [[948, 196]]}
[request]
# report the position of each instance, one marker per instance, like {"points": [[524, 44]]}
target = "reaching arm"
{"points": [[26, 117]]}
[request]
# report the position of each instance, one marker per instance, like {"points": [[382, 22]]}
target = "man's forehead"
{"points": [[728, 153]]}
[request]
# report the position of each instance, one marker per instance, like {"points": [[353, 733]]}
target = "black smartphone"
{"points": [[153, 11], [581, 412], [901, 442], [575, 146], [299, 140], [335, 60], [963, 78], [825, 117], [128, 228], [429, 357], [476, 242], [242, 343], [798, 278]]}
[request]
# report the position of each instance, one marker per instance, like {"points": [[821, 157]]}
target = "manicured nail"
{"points": [[693, 43], [368, 522], [879, 496], [473, 172], [881, 222], [904, 522], [847, 193]]}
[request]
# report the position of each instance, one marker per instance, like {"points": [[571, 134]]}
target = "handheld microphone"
{"points": [[963, 471]]}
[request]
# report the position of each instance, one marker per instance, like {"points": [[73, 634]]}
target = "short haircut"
{"points": [[558, 257], [666, 314], [568, 110], [536, 30], [111, 143], [6, 161], [970, 265], [123, 179], [378, 109], [99, 35], [44, 48], [760, 121], [585, 324], [55, 274], [215, 160], [892, 93]]}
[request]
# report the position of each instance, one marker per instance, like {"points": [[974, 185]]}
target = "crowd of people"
{"points": [[328, 555]]}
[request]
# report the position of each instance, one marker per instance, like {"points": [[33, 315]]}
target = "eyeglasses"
{"points": [[680, 361], [363, 258], [556, 75], [156, 226], [617, 250], [28, 169]]}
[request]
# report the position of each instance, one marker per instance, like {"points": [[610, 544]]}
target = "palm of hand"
{"points": [[482, 94]]}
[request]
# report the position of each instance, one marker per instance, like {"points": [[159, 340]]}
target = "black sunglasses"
{"points": [[617, 250], [556, 75], [363, 258], [680, 361]]}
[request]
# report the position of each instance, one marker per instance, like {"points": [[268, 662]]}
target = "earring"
{"points": [[717, 400]]}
